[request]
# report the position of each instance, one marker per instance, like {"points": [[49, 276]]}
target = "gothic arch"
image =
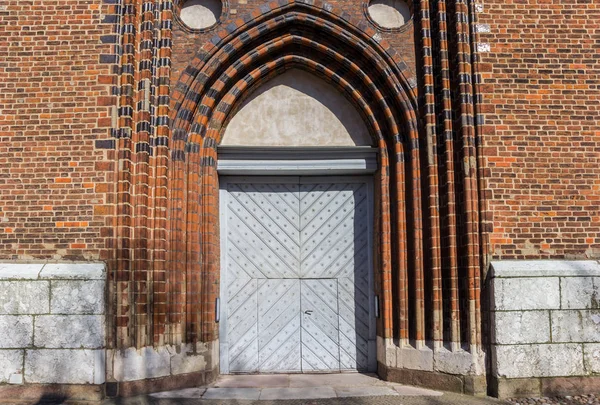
{"points": [[279, 36]]}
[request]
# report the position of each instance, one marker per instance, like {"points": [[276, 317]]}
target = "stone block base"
{"points": [[472, 385], [543, 387], [169, 383], [145, 370], [545, 327], [52, 323]]}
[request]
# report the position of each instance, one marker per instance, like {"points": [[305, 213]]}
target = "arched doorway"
{"points": [[221, 76], [419, 302], [297, 284]]}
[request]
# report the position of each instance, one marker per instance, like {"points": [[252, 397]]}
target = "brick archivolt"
{"points": [[419, 293], [317, 40]]}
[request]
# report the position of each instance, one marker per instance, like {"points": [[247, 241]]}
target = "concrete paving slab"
{"points": [[297, 393], [253, 381], [446, 399], [334, 380], [408, 391], [247, 394], [349, 392], [188, 393]]}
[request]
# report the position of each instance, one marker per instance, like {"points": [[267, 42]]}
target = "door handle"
{"points": [[308, 312]]}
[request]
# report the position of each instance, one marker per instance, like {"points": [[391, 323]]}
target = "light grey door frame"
{"points": [[224, 195], [298, 161]]}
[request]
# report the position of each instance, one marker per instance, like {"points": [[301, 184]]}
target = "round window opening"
{"points": [[200, 14], [390, 13]]}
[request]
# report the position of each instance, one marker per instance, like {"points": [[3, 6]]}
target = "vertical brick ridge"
{"points": [[467, 217], [430, 302], [163, 21], [112, 11], [142, 132], [445, 97], [140, 152], [482, 188], [448, 241], [122, 133]]}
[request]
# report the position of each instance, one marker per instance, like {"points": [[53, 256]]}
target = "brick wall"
{"points": [[542, 100], [54, 183], [187, 42], [150, 181]]}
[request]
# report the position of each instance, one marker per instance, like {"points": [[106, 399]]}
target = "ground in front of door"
{"points": [[305, 389]]}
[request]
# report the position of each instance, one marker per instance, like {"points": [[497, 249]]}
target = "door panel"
{"points": [[354, 325], [262, 229], [279, 325], [297, 276], [242, 325], [333, 229], [320, 327]]}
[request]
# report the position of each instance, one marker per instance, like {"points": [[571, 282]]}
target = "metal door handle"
{"points": [[308, 312]]}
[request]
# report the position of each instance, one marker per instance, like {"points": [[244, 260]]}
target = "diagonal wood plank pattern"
{"points": [[279, 325], [298, 277], [263, 229], [243, 330], [320, 336], [333, 229]]}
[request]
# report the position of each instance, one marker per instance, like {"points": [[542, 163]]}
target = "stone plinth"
{"points": [[52, 318], [545, 321]]}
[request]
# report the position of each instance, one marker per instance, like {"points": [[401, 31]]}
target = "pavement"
{"points": [[303, 389]]}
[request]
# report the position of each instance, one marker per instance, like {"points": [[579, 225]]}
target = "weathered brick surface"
{"points": [[52, 111], [111, 113], [149, 204], [186, 42], [542, 104]]}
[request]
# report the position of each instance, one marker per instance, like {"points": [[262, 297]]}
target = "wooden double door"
{"points": [[296, 280]]}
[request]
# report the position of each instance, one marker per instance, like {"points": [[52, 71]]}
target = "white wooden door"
{"points": [[279, 326], [296, 280], [334, 244], [320, 325], [262, 252]]}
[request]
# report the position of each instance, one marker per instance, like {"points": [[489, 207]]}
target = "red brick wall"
{"points": [[53, 108], [187, 42], [542, 95], [163, 264]]}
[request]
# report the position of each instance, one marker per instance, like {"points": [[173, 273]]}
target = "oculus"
{"points": [[389, 13], [201, 14]]}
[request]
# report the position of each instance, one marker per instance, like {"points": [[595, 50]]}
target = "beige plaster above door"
{"points": [[297, 109]]}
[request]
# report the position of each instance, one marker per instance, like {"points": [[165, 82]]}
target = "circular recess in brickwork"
{"points": [[389, 14], [200, 14]]}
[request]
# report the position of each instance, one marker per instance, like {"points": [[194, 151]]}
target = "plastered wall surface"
{"points": [[296, 109]]}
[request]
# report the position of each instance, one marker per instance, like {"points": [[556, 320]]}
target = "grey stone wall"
{"points": [[432, 357], [545, 319], [52, 318]]}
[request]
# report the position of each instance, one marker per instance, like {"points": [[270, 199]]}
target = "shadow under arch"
{"points": [[323, 40]]}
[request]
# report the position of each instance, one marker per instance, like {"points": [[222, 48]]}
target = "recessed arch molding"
{"points": [[289, 36], [429, 237]]}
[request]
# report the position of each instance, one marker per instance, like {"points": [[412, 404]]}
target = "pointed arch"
{"points": [[314, 36], [295, 108]]}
